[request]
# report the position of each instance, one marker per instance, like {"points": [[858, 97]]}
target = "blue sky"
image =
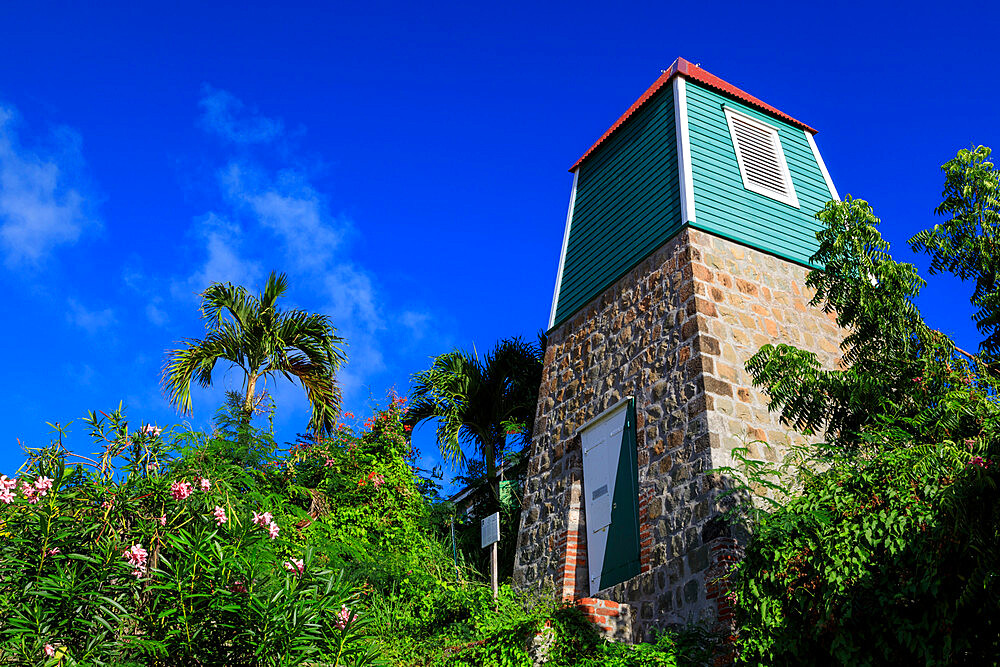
{"points": [[404, 163]]}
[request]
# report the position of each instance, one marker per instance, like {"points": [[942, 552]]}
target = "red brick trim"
{"points": [[572, 547], [569, 546], [725, 553], [600, 612]]}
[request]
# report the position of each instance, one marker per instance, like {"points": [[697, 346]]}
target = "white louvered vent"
{"points": [[761, 160]]}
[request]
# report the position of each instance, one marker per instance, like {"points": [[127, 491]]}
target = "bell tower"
{"points": [[686, 247]]}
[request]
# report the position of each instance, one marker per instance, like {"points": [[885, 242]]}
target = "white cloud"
{"points": [[351, 303], [225, 115], [39, 209], [90, 320], [291, 208], [417, 323], [222, 239], [154, 313], [286, 219], [351, 298]]}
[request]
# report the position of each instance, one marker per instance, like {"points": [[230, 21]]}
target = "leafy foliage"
{"points": [[252, 333], [889, 554], [480, 402], [965, 245], [366, 505], [150, 553], [522, 631], [871, 297]]}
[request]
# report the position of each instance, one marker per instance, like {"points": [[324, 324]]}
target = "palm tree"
{"points": [[250, 332], [479, 402]]}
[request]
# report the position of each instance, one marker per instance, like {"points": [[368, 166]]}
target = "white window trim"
{"points": [[791, 199]]}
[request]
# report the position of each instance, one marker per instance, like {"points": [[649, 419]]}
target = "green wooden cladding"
{"points": [[724, 207], [627, 204], [628, 194]]}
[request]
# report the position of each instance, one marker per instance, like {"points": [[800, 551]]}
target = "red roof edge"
{"points": [[682, 67]]}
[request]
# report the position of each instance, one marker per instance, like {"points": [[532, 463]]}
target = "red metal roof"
{"points": [[681, 67]]}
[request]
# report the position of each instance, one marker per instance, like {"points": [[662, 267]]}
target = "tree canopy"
{"points": [[890, 552], [479, 402], [250, 332]]}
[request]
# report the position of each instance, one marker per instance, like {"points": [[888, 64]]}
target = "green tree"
{"points": [[891, 552], [966, 244], [480, 402], [252, 333]]}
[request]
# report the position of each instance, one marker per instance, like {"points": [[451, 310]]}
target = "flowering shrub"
{"points": [[366, 504], [149, 553]]}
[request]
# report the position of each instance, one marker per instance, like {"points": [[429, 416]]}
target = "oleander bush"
{"points": [[166, 549]]}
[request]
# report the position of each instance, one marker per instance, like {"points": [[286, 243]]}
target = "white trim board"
{"points": [[685, 178], [562, 255], [822, 165]]}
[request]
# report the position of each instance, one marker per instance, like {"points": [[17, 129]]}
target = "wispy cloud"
{"points": [[222, 240], [416, 323], [226, 116], [42, 204], [91, 321], [291, 208], [351, 302], [154, 312], [273, 210]]}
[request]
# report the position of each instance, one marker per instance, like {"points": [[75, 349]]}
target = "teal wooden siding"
{"points": [[724, 207], [627, 204]]}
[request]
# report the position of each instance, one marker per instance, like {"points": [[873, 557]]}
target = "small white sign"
{"points": [[491, 529]]}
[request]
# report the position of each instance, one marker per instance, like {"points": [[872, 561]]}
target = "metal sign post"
{"points": [[490, 534]]}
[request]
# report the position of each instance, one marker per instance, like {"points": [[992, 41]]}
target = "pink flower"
{"points": [[295, 565], [7, 483], [979, 461], [136, 555], [343, 617], [54, 551], [262, 520], [29, 492], [378, 480], [50, 650], [43, 484], [162, 519], [205, 484], [149, 429], [272, 530], [329, 462], [7, 496], [180, 490], [238, 587], [220, 515]]}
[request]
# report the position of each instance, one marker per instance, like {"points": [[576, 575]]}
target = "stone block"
{"points": [[691, 590], [698, 559]]}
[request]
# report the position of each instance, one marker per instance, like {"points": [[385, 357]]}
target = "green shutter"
{"points": [[622, 557]]}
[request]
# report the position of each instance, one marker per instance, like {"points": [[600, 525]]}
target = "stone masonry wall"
{"points": [[674, 333]]}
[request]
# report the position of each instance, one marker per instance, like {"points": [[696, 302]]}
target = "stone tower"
{"points": [[686, 248]]}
